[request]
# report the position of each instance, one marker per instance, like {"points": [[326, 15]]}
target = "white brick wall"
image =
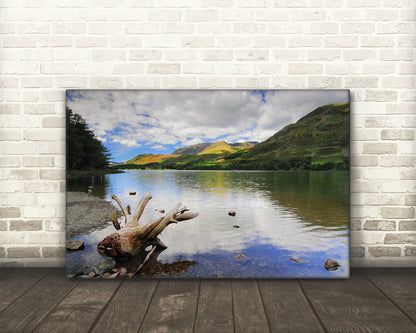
{"points": [[365, 46]]}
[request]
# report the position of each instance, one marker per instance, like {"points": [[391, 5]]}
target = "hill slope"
{"points": [[322, 133]]}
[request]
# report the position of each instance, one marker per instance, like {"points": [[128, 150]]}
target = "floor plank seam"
{"points": [[94, 323], [148, 306], [56, 305], [232, 306], [312, 307], [27, 290], [386, 296], [197, 304], [264, 308]]}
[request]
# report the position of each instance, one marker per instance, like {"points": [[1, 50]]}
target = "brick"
{"points": [[163, 68], [393, 134], [180, 54], [19, 41], [361, 82], [249, 28], [52, 174], [410, 251], [53, 252], [53, 122], [359, 55], [10, 135], [46, 147], [3, 225], [400, 238], [93, 41], [305, 68], [55, 41], [381, 95], [109, 55], [384, 199], [407, 225], [214, 28], [266, 41], [355, 225], [361, 28], [106, 82], [236, 15], [380, 148], [55, 225], [177, 28], [397, 212], [144, 55], [164, 15], [380, 225], [198, 68], [392, 54], [234, 41], [341, 68], [9, 212], [30, 225], [22, 174], [39, 186], [377, 41], [366, 237], [9, 161], [23, 252], [384, 251], [363, 185], [42, 135], [295, 55], [77, 28], [199, 41], [179, 82], [323, 55], [159, 41], [10, 186], [410, 199], [39, 109], [285, 28], [195, 15], [106, 28], [44, 238], [305, 41], [321, 82], [252, 82], [23, 148], [341, 41], [252, 55], [308, 15], [218, 55], [129, 68], [38, 161]]}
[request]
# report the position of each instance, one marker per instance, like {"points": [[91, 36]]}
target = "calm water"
{"points": [[281, 214]]}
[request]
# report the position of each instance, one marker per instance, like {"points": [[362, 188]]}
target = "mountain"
{"points": [[322, 133], [317, 141], [192, 150]]}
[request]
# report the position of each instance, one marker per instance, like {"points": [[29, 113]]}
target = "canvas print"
{"points": [[207, 184]]}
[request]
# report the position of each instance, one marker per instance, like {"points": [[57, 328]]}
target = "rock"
{"points": [[128, 209], [299, 261], [160, 210], [108, 264], [132, 193], [110, 276], [122, 271], [129, 275], [240, 256], [331, 265], [231, 213], [98, 270], [84, 277], [91, 274], [70, 276], [74, 245], [236, 226]]}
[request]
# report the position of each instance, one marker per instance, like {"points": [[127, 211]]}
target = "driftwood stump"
{"points": [[132, 239]]}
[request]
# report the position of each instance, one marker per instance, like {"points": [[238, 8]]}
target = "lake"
{"points": [[280, 214]]}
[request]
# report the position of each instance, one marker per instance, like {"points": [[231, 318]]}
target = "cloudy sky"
{"points": [[132, 122]]}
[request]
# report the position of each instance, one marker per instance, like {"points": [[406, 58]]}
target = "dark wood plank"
{"points": [[17, 282], [249, 315], [215, 307], [397, 284], [287, 308], [29, 310], [78, 311], [172, 308], [4, 271], [354, 305], [127, 308]]}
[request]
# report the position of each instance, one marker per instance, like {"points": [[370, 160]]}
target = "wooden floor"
{"points": [[43, 300]]}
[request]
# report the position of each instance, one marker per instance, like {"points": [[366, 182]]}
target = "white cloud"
{"points": [[161, 117]]}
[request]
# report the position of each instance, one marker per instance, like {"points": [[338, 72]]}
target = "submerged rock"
{"points": [[231, 213], [331, 265], [240, 256], [236, 226], [108, 264], [74, 245]]}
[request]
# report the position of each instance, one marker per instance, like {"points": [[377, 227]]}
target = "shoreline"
{"points": [[85, 213]]}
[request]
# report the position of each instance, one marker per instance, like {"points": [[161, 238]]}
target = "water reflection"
{"points": [[299, 213]]}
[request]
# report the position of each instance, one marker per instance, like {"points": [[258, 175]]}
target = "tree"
{"points": [[83, 149]]}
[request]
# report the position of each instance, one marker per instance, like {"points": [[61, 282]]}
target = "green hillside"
{"points": [[318, 141], [321, 134]]}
